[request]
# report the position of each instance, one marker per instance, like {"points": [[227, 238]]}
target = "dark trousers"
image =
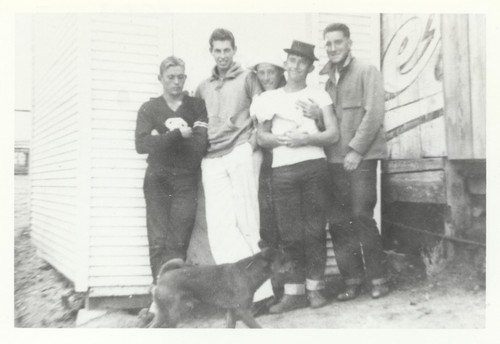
{"points": [[299, 195], [268, 226], [171, 201], [356, 240]]}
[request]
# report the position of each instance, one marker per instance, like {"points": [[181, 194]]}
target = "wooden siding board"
{"points": [[119, 163], [128, 237], [107, 251], [129, 85], [62, 127], [477, 51], [116, 154], [55, 191], [119, 281], [122, 37], [456, 77], [123, 78], [125, 260], [53, 117], [122, 94], [63, 140], [53, 208], [116, 222], [433, 142], [103, 212], [111, 271], [109, 233], [117, 192], [119, 291]]}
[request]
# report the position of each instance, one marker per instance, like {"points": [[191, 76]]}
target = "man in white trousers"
{"points": [[228, 170]]}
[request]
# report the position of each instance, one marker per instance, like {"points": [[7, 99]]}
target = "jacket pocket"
{"points": [[351, 103]]}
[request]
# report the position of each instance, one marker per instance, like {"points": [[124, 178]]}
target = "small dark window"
{"points": [[21, 160]]}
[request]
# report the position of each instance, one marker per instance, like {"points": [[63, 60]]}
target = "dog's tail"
{"points": [[172, 264]]}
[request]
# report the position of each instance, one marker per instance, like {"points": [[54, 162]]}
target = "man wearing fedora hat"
{"points": [[299, 175]]}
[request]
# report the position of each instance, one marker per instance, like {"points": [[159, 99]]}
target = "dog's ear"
{"points": [[263, 244], [269, 253]]}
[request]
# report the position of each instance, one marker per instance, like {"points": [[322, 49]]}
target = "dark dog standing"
{"points": [[229, 286]]}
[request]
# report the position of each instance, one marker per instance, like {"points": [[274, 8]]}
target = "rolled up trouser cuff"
{"points": [[295, 289], [353, 281], [315, 284], [379, 281]]}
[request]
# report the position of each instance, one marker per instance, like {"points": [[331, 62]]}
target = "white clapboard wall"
{"points": [[55, 141], [124, 64]]}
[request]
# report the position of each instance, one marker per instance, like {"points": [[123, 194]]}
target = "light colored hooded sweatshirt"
{"points": [[228, 101]]}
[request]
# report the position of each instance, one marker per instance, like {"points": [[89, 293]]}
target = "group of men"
{"points": [[320, 158]]}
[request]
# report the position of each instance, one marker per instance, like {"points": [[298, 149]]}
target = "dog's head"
{"points": [[279, 261]]}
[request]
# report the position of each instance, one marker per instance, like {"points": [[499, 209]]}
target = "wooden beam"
{"points": [[118, 302], [457, 86], [419, 187], [457, 217], [412, 165]]}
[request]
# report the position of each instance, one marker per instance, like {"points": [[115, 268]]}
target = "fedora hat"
{"points": [[302, 49]]}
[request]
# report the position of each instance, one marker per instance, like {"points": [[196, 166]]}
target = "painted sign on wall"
{"points": [[412, 70]]}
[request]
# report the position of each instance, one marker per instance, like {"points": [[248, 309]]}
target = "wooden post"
{"points": [[458, 209], [477, 50], [457, 86]]}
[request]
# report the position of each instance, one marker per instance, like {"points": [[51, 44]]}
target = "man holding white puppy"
{"points": [[299, 175], [172, 129]]}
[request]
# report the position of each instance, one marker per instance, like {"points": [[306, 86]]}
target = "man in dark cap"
{"points": [[299, 175]]}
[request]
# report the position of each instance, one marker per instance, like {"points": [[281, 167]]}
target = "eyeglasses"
{"points": [[180, 77]]}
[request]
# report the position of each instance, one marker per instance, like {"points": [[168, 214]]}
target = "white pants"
{"points": [[232, 207]]}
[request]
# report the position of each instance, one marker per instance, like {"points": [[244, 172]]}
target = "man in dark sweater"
{"points": [[172, 130]]}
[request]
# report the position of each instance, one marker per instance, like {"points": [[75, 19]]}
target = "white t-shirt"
{"points": [[281, 107]]}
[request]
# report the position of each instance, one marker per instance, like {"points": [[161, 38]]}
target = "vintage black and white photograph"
{"points": [[314, 170]]}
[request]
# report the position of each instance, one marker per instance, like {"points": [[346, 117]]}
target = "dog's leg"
{"points": [[230, 319], [246, 316], [158, 321]]}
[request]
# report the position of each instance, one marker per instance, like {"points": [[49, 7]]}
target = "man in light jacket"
{"points": [[357, 93]]}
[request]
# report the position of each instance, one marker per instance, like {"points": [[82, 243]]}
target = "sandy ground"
{"points": [[454, 298]]}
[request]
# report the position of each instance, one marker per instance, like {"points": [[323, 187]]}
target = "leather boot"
{"points": [[316, 299], [380, 290], [289, 303], [351, 292]]}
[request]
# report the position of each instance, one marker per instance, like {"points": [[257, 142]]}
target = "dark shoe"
{"points": [[316, 299], [380, 290], [289, 303], [351, 292]]}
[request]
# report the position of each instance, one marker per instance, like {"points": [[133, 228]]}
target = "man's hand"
{"points": [[310, 109], [295, 138], [186, 132], [352, 160]]}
